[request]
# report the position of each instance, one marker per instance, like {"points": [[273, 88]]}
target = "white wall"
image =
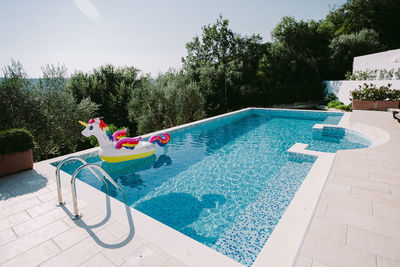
{"points": [[385, 60], [342, 88]]}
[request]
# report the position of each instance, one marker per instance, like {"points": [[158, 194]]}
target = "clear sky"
{"points": [[149, 35]]}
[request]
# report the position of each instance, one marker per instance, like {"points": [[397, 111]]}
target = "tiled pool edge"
{"points": [[322, 165]]}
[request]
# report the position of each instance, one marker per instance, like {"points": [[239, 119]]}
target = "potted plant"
{"points": [[15, 151], [370, 97], [389, 99], [361, 98]]}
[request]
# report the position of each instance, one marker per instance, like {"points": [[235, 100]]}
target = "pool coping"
{"points": [[281, 248]]}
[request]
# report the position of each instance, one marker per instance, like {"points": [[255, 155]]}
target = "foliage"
{"points": [[334, 104], [339, 105], [330, 97], [15, 140], [382, 16], [224, 65], [372, 92], [47, 109], [376, 74], [169, 101], [347, 46], [110, 88], [19, 107]]}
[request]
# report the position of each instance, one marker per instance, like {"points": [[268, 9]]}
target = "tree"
{"points": [[57, 130], [219, 61], [110, 88], [18, 106], [169, 101], [347, 46], [382, 16]]}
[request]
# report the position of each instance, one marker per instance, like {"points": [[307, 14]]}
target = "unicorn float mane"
{"points": [[99, 128]]}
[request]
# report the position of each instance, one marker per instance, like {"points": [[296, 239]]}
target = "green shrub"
{"points": [[334, 104], [344, 107], [330, 97], [372, 92], [15, 140]]}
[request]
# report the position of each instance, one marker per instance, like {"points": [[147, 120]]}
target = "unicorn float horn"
{"points": [[161, 139]]}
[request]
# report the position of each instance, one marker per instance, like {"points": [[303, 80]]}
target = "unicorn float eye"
{"points": [[90, 127]]}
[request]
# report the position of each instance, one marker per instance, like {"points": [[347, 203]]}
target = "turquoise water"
{"points": [[224, 183]]}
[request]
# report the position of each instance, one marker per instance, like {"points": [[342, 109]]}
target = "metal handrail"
{"points": [[60, 202], [77, 215]]}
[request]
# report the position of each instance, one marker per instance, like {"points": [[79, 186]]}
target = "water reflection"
{"points": [[179, 210]]}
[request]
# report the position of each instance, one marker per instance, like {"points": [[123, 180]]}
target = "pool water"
{"points": [[224, 183]]}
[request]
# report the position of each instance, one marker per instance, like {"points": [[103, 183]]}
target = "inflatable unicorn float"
{"points": [[116, 147]]}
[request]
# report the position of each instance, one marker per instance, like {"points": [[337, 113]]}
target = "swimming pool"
{"points": [[226, 183]]}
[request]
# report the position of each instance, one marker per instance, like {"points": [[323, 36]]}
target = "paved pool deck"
{"points": [[356, 222], [357, 219]]}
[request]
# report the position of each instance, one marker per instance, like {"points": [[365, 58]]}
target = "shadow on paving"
{"points": [[21, 183], [89, 228]]}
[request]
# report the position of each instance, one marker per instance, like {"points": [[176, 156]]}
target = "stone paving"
{"points": [[357, 220], [356, 223], [35, 232]]}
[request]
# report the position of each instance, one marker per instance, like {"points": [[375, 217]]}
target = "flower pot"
{"points": [[385, 104], [15, 162], [363, 104]]}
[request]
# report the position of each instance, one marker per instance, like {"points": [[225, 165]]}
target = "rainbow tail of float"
{"points": [[161, 139]]}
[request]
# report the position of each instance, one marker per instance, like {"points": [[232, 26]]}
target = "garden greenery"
{"points": [[15, 140], [222, 71], [372, 92]]}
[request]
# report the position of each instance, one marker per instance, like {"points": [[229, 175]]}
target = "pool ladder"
{"points": [[92, 168]]}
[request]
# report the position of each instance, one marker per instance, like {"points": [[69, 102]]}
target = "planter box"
{"points": [[363, 104], [385, 104], [15, 162]]}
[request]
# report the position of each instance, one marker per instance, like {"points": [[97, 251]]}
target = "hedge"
{"points": [[15, 140]]}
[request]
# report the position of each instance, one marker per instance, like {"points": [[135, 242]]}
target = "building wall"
{"points": [[385, 60], [342, 88]]}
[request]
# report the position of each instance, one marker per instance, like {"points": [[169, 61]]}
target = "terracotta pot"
{"points": [[15, 162], [385, 104], [363, 104]]}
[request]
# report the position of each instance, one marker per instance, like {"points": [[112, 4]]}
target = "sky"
{"points": [[149, 35]]}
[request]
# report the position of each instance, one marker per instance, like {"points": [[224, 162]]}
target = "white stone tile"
{"points": [[377, 197], [80, 252], [335, 187], [70, 237], [118, 256], [35, 256], [335, 254], [147, 255], [384, 178], [364, 221], [395, 189], [7, 236], [362, 183], [328, 229], [31, 240], [361, 174], [5, 212], [386, 211], [173, 262], [39, 222], [348, 202], [383, 262], [374, 243], [303, 261], [320, 211], [319, 264], [99, 260], [13, 220]]}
